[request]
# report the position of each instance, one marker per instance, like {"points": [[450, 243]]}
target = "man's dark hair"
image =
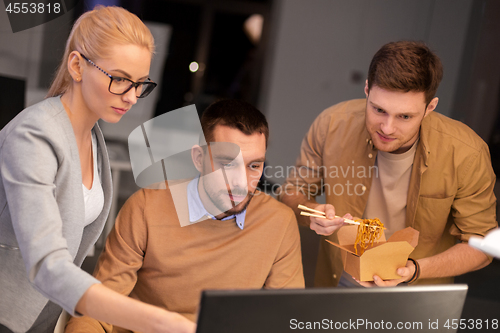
{"points": [[406, 66], [235, 114]]}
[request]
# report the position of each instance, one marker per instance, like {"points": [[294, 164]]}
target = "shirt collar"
{"points": [[197, 209]]}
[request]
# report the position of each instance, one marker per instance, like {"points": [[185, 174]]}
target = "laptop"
{"points": [[410, 308]]}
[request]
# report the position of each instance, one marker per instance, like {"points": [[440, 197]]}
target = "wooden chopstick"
{"points": [[313, 215], [311, 210], [321, 214]]}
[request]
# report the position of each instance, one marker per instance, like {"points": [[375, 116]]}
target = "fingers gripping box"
{"points": [[382, 259]]}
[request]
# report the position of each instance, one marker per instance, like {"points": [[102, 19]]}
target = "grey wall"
{"points": [[33, 54], [477, 101], [319, 46], [20, 52]]}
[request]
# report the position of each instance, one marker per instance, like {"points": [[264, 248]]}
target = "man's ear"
{"points": [[197, 156], [75, 66], [431, 106], [367, 90]]}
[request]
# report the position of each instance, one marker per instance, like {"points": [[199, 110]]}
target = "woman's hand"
{"points": [[172, 322]]}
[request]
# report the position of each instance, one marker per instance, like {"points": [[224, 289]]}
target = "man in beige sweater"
{"points": [[393, 157], [246, 239]]}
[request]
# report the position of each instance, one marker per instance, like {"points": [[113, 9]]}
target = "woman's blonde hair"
{"points": [[92, 35]]}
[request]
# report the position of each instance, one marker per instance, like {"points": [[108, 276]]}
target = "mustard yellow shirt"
{"points": [[450, 196]]}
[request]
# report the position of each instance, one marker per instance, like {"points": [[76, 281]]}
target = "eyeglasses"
{"points": [[121, 85]]}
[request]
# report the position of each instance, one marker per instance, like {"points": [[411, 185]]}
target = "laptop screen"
{"points": [[418, 308]]}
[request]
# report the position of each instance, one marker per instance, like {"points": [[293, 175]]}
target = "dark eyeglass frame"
{"points": [[148, 85]]}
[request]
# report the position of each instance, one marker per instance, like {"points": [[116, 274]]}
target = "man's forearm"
{"points": [[457, 260]]}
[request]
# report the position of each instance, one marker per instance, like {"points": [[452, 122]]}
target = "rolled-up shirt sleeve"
{"points": [[307, 177], [474, 206]]}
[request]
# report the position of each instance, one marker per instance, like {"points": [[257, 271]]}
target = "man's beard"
{"points": [[222, 199]]}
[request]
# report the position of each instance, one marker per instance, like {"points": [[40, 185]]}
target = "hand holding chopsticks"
{"points": [[321, 215]]}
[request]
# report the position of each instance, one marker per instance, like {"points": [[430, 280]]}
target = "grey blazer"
{"points": [[42, 238]]}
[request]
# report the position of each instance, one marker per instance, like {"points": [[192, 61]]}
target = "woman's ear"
{"points": [[75, 66]]}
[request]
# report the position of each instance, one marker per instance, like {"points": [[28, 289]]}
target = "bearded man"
{"points": [[216, 231]]}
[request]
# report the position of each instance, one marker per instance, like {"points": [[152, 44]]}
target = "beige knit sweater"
{"points": [[150, 257]]}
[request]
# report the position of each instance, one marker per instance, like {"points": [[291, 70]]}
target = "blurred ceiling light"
{"points": [[193, 67], [253, 27]]}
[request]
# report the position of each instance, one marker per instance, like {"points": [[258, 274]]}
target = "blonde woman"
{"points": [[55, 187]]}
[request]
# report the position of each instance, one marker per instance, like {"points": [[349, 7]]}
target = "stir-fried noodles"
{"points": [[369, 230]]}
